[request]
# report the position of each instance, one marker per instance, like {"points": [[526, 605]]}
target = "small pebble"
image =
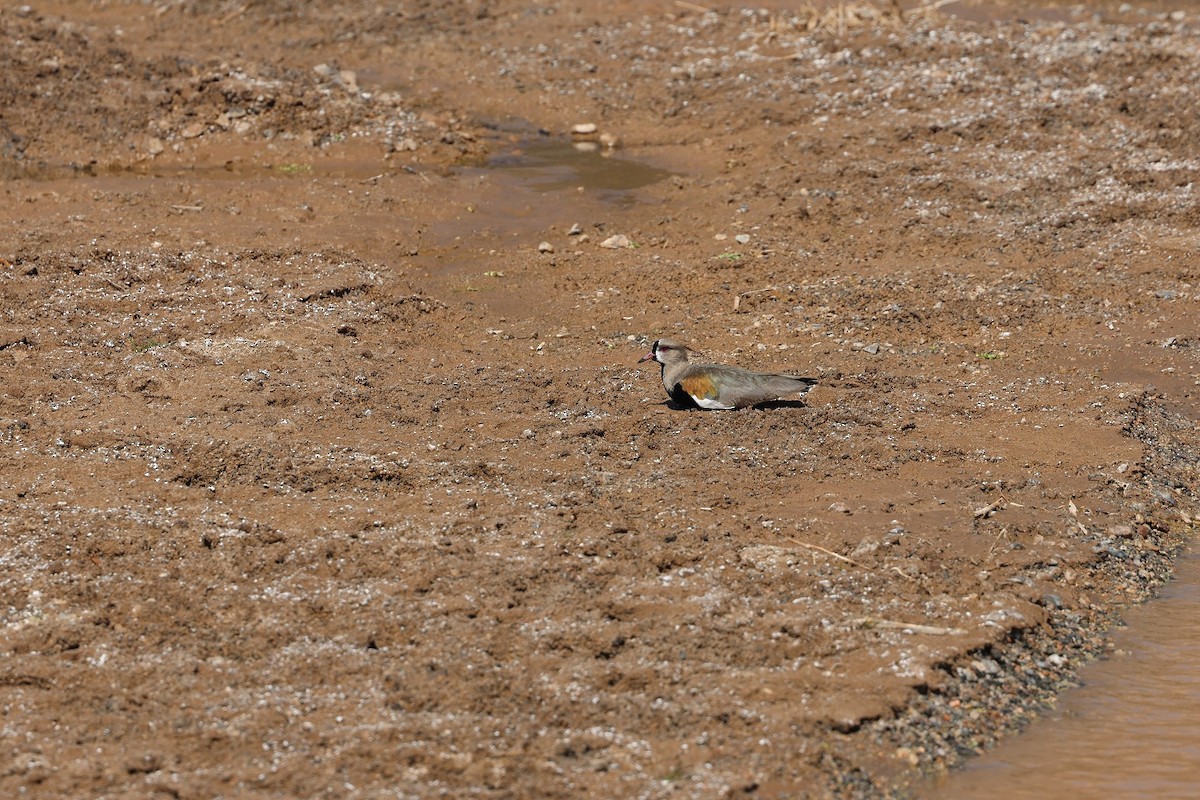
{"points": [[545, 247], [617, 242], [1051, 601], [986, 666]]}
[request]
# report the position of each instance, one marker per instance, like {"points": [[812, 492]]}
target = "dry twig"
{"points": [[915, 627], [737, 300], [991, 508], [999, 504], [1003, 533], [237, 12], [827, 552], [849, 561]]}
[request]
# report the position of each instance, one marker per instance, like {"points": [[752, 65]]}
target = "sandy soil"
{"points": [[320, 478]]}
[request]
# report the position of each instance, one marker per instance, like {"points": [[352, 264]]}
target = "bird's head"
{"points": [[665, 351]]}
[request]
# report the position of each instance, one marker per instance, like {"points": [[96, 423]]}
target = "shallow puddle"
{"points": [[1131, 731], [547, 164], [535, 188]]}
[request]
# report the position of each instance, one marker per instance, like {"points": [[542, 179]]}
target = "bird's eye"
{"points": [[660, 347]]}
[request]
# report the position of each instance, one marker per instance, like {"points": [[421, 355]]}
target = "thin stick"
{"points": [[759, 291], [1075, 515], [1003, 533], [849, 561], [737, 300], [818, 548], [693, 7], [934, 630], [990, 508], [237, 12]]}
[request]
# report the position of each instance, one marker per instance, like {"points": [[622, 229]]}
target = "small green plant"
{"points": [[143, 345], [728, 255], [989, 355], [295, 169], [676, 774]]}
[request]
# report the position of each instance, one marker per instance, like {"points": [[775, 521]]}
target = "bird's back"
{"points": [[736, 387]]}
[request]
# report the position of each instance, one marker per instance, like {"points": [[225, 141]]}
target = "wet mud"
{"points": [[327, 467]]}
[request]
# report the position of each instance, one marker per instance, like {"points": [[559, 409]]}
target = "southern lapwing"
{"points": [[715, 386]]}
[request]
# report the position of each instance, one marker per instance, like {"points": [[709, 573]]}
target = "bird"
{"points": [[716, 386]]}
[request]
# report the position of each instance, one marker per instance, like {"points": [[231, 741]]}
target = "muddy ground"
{"points": [[327, 468]]}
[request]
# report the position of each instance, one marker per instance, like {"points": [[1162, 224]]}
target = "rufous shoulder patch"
{"points": [[699, 387]]}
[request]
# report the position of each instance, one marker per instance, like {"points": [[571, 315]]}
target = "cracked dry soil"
{"points": [[320, 478]]}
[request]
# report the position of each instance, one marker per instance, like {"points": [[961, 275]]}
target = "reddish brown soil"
{"points": [[319, 479]]}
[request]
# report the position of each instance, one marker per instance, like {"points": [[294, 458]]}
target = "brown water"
{"points": [[1131, 731], [535, 188], [550, 164]]}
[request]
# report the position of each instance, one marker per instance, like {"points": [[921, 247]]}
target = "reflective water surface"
{"points": [[1131, 731], [549, 164]]}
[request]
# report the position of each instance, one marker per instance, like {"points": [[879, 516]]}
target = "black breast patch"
{"points": [[681, 397]]}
